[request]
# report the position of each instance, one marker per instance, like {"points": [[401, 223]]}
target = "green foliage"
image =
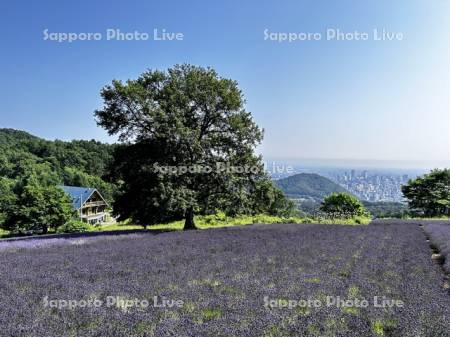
{"points": [[34, 203], [30, 171], [42, 208], [429, 195], [380, 209], [386, 209], [75, 177], [74, 226], [258, 197], [343, 205], [185, 117], [19, 147], [8, 200], [211, 313], [74, 162], [38, 209]]}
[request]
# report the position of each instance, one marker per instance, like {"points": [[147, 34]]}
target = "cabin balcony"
{"points": [[94, 204]]}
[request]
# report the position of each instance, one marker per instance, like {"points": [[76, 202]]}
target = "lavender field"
{"points": [[258, 280]]}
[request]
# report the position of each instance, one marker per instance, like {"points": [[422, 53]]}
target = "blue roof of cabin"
{"points": [[79, 195]]}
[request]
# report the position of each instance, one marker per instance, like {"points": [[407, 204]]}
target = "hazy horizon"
{"points": [[360, 163], [337, 163]]}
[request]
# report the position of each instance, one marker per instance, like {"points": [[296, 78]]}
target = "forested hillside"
{"points": [[79, 162], [386, 209]]}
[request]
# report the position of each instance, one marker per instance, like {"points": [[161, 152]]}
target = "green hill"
{"points": [[308, 185], [78, 162], [90, 156]]}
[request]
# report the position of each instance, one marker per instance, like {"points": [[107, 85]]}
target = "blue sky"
{"points": [[315, 99]]}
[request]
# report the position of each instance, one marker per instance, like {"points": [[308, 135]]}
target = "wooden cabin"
{"points": [[88, 202]]}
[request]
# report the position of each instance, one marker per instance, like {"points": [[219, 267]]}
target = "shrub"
{"points": [[74, 226], [343, 206]]}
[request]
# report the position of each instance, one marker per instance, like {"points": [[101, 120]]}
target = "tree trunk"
{"points": [[189, 219]]}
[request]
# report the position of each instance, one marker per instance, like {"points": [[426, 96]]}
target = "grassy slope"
{"points": [[220, 220]]}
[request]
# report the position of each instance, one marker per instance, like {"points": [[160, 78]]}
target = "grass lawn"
{"points": [[220, 220]]}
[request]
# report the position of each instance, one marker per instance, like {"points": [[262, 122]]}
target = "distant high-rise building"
{"points": [[365, 174]]}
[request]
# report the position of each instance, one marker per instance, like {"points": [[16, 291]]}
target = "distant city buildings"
{"points": [[369, 185], [372, 186]]}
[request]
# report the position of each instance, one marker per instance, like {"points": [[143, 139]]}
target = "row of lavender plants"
{"points": [[439, 235], [231, 282]]}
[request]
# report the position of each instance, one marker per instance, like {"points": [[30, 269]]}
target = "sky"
{"points": [[341, 99]]}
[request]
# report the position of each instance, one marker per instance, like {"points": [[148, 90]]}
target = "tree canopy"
{"points": [[33, 202], [429, 195], [188, 147]]}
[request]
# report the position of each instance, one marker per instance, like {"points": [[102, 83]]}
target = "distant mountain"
{"points": [[308, 185]]}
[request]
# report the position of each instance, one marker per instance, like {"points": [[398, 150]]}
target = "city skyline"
{"points": [[373, 185]]}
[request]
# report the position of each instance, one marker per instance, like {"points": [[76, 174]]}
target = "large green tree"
{"points": [[188, 145], [41, 208], [429, 195]]}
